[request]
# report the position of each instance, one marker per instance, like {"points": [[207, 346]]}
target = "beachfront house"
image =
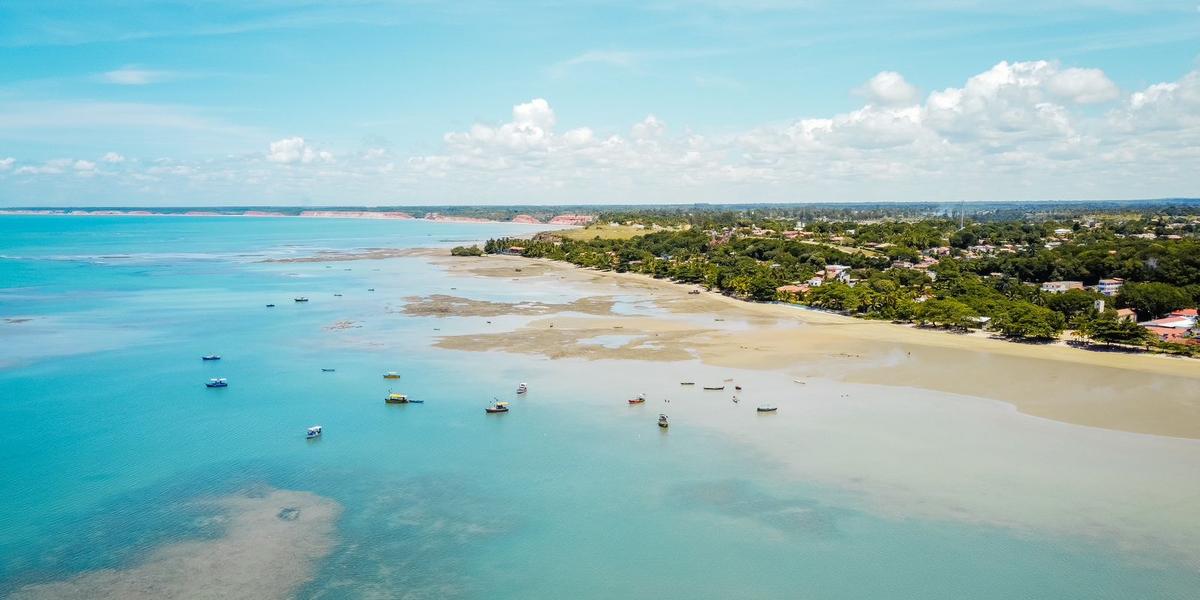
{"points": [[1176, 327], [1058, 287], [837, 273]]}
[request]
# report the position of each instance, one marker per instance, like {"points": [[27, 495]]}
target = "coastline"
{"points": [[1091, 388], [564, 221]]}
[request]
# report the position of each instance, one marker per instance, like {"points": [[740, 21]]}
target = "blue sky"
{"points": [[122, 102]]}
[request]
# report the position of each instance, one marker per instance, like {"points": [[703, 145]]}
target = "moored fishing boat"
{"points": [[767, 408], [662, 421], [522, 388], [714, 387], [300, 299], [640, 399], [217, 382], [687, 383], [497, 407], [210, 357], [391, 375], [312, 432], [394, 398], [324, 370]]}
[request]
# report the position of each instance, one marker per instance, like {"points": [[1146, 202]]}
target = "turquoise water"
{"points": [[109, 434]]}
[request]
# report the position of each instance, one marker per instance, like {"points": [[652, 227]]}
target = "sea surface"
{"points": [[109, 437]]}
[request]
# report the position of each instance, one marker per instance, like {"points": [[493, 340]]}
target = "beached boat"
{"points": [[312, 432], [714, 387], [210, 357], [662, 421], [391, 375], [522, 388], [300, 299], [641, 399], [395, 398], [217, 382], [767, 409], [498, 407]]}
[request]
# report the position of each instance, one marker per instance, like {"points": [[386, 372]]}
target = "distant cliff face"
{"points": [[572, 219]]}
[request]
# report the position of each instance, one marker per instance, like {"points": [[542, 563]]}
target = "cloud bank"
{"points": [[1019, 130]]}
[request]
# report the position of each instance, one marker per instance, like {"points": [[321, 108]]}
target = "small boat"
{"points": [[714, 387], [217, 382], [415, 401], [662, 421], [687, 383], [270, 306], [313, 432], [522, 388], [641, 399], [370, 289], [737, 387], [300, 299], [391, 375], [498, 407], [337, 295], [395, 398], [324, 370], [767, 409], [210, 357]]}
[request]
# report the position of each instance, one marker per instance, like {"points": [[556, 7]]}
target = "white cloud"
{"points": [[130, 75], [1021, 130], [648, 128], [889, 88], [113, 158], [84, 165], [7, 163], [296, 150], [1083, 86]]}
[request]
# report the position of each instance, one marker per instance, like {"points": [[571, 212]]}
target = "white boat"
{"points": [[522, 388], [314, 431], [217, 382]]}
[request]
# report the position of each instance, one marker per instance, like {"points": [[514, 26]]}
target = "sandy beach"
{"points": [[1131, 392]]}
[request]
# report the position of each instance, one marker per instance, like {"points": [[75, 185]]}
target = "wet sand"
{"points": [[1139, 393], [272, 544]]}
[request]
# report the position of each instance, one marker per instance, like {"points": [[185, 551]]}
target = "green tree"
{"points": [[945, 313], [466, 251], [1153, 299], [1026, 320]]}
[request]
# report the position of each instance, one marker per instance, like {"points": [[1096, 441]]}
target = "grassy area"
{"points": [[604, 232]]}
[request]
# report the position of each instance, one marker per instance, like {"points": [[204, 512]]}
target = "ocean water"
{"points": [[109, 436]]}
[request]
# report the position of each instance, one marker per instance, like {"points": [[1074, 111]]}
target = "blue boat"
{"points": [[217, 382], [210, 357]]}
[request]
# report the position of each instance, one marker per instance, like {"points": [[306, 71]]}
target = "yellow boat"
{"points": [[391, 375], [395, 398]]}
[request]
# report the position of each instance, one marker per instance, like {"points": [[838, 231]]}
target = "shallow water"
{"points": [[111, 437]]}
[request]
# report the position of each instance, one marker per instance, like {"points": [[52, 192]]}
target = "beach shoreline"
{"points": [[307, 214], [1055, 381]]}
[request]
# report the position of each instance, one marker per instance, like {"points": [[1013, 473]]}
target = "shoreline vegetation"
{"points": [[1105, 282]]}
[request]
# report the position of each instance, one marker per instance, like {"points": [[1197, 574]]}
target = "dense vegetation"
{"points": [[985, 274]]}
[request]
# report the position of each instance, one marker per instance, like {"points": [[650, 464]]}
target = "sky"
{"points": [[395, 102]]}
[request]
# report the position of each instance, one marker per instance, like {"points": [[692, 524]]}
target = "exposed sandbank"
{"points": [[271, 546], [1127, 392]]}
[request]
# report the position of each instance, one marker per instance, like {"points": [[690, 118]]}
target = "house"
{"points": [[516, 250], [815, 281], [1126, 314], [1109, 287], [791, 291], [1058, 287], [837, 272]]}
